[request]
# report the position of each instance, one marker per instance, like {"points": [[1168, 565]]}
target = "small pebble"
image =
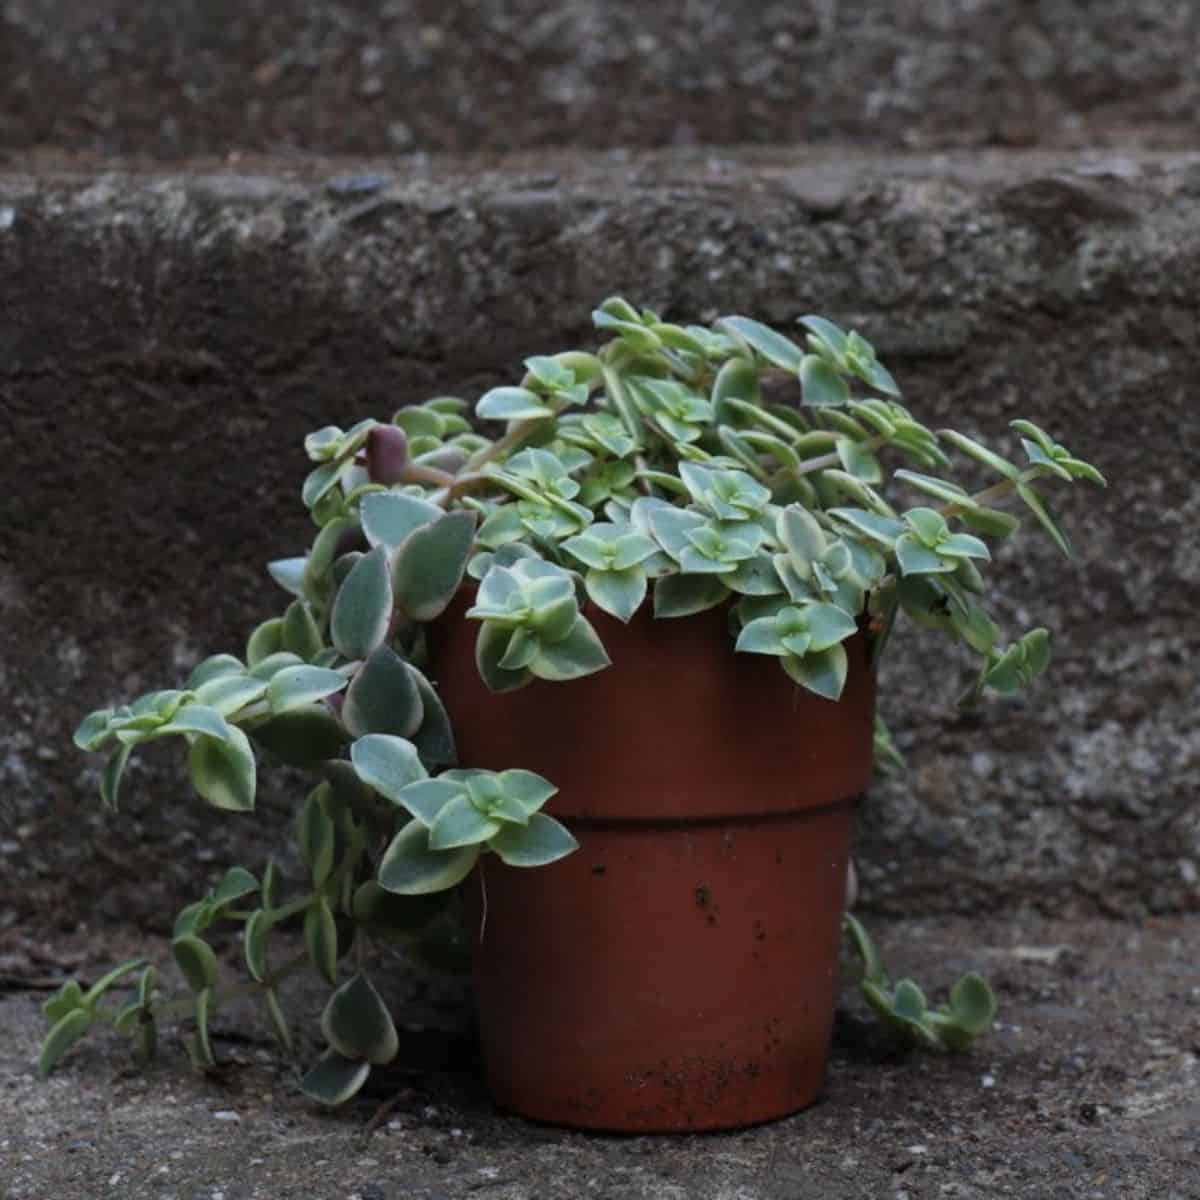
{"points": [[988, 1081], [225, 1114]]}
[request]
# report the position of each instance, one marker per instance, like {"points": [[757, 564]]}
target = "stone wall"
{"points": [[169, 338]]}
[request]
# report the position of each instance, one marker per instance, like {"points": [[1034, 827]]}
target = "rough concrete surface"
{"points": [[1086, 1091], [181, 78], [170, 337]]}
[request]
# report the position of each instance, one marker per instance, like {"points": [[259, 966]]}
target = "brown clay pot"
{"points": [[678, 971]]}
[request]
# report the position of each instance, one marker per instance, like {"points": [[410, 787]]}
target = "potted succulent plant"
{"points": [[688, 527]]}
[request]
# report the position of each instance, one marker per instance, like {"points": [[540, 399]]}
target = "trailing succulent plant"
{"points": [[671, 468]]}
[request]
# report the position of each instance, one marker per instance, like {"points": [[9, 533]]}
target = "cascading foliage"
{"points": [[680, 467]]}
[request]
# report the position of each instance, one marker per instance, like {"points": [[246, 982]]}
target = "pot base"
{"points": [[711, 1007]]}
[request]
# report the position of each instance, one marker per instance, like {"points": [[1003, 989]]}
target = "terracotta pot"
{"points": [[678, 971]]}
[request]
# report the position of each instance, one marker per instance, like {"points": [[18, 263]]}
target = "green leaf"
{"points": [[434, 739], [254, 943], [197, 718], [289, 573], [774, 347], [196, 960], [267, 668], [540, 842], [224, 771], [968, 446], [411, 868], [387, 763], [315, 833], [579, 653], [430, 565], [491, 646], [460, 823], [389, 517], [266, 640], [880, 529], [916, 559], [236, 883], [229, 693], [528, 790], [320, 939], [827, 626], [62, 1036], [941, 488], [511, 404], [321, 481], [908, 1001], [199, 1045], [67, 999], [617, 592], [302, 737], [972, 1004], [991, 521], [858, 461], [279, 1025], [110, 777], [334, 1079], [300, 633], [1036, 644], [834, 336], [383, 697], [928, 524], [363, 608], [683, 595], [761, 636], [821, 385], [93, 730], [823, 673], [299, 687], [426, 798], [1037, 506], [357, 1024], [217, 666]]}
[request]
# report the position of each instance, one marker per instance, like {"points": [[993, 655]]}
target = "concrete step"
{"points": [[178, 78], [169, 335]]}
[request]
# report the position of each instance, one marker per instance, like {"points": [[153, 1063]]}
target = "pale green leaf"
{"points": [[540, 842], [410, 867], [223, 770], [363, 607]]}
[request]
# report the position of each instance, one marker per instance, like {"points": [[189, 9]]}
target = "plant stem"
{"points": [[183, 1006]]}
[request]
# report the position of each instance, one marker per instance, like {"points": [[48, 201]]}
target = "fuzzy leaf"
{"points": [[511, 404], [300, 633], [774, 347], [363, 607], [387, 763], [683, 595], [229, 693], [579, 653], [224, 771], [254, 944], [389, 517], [617, 592], [821, 385], [357, 1024], [383, 697], [320, 939], [334, 1079], [540, 842], [1037, 506], [62, 1036], [430, 565], [426, 798], [823, 673], [299, 687], [196, 960], [460, 823], [411, 868], [303, 736]]}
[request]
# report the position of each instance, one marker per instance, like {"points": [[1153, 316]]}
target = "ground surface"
{"points": [[1089, 1089]]}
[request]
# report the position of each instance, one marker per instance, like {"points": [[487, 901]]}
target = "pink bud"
{"points": [[387, 454]]}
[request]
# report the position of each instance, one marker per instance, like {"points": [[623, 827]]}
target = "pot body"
{"points": [[678, 971]]}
